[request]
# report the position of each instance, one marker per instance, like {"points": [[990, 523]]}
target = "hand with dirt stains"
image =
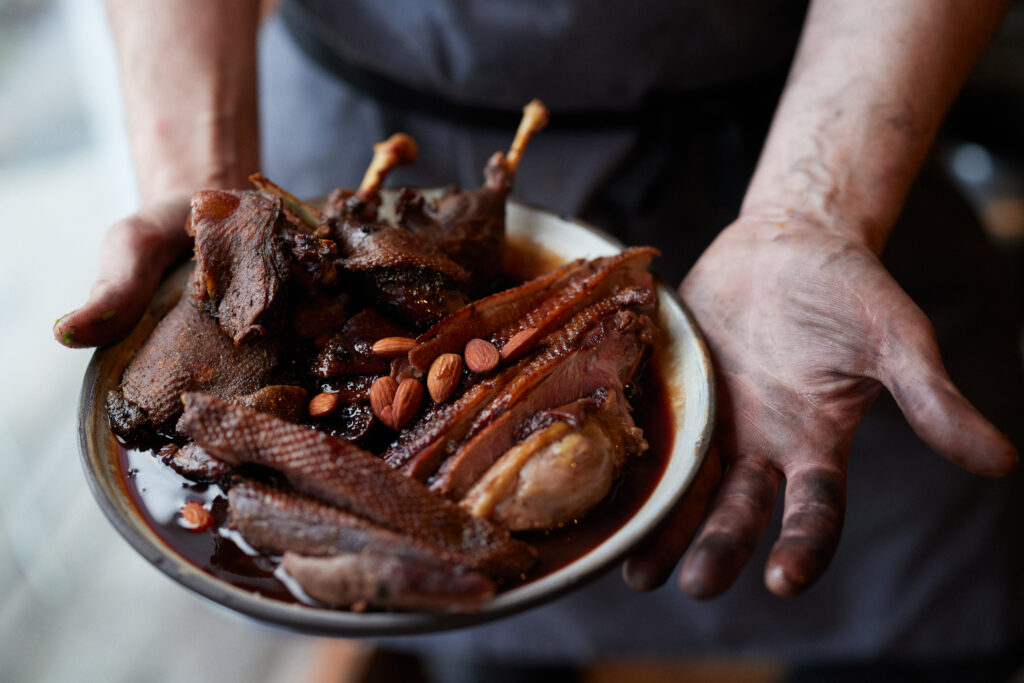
{"points": [[804, 324]]}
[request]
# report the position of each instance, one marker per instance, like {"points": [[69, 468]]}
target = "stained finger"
{"points": [[812, 522], [913, 372], [133, 256], [738, 517], [651, 566]]}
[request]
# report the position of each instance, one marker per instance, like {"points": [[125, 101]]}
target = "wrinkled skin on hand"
{"points": [[133, 257], [805, 327]]}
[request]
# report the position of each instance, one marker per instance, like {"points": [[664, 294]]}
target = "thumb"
{"points": [[133, 256], [912, 370]]}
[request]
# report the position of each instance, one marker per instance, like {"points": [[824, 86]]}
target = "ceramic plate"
{"points": [[683, 363]]}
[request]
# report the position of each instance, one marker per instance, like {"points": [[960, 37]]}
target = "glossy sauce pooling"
{"points": [[159, 493]]}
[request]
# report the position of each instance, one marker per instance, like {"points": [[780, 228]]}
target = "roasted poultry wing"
{"points": [[381, 417]]}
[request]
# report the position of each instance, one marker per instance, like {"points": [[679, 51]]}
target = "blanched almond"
{"points": [[392, 347], [323, 404], [481, 356], [407, 401], [382, 393], [519, 343], [444, 376]]}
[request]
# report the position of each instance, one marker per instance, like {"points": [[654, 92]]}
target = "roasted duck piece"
{"points": [[404, 272], [187, 350], [343, 475], [600, 348], [369, 578], [469, 227], [240, 259], [560, 471]]}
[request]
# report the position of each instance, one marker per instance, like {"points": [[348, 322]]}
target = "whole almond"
{"points": [[387, 416], [444, 376], [323, 404], [519, 343], [407, 401], [481, 356], [382, 393], [195, 517], [392, 347]]}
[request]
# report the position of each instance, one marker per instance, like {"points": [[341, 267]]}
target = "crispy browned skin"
{"points": [[607, 275], [240, 260], [344, 475], [276, 520], [485, 316], [188, 351], [382, 580]]}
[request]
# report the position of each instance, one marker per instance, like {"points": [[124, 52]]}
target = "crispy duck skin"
{"points": [[601, 347], [483, 317], [276, 520], [382, 580], [340, 473], [192, 462], [240, 259], [188, 351], [350, 351], [609, 274]]}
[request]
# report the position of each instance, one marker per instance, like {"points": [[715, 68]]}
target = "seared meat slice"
{"points": [[274, 520], [601, 347], [608, 275], [350, 351], [240, 259], [375, 579], [188, 351], [342, 474], [560, 471], [485, 316], [421, 447]]}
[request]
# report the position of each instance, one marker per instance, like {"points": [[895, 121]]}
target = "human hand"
{"points": [[133, 257], [805, 326]]}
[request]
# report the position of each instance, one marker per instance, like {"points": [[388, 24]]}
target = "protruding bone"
{"points": [[535, 117], [306, 213], [396, 150]]}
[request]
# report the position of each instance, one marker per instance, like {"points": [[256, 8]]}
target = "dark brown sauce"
{"points": [[159, 493]]}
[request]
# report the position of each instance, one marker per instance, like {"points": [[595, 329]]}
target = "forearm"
{"points": [[869, 86], [188, 72]]}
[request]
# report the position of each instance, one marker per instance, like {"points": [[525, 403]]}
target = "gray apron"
{"points": [[931, 564]]}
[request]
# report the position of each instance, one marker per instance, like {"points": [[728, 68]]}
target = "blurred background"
{"points": [[76, 602]]}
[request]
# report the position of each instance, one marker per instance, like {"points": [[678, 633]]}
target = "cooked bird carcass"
{"points": [[469, 226]]}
